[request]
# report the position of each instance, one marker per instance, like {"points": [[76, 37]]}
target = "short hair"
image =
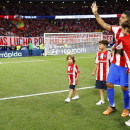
{"points": [[72, 57], [104, 42], [127, 13], [126, 25]]}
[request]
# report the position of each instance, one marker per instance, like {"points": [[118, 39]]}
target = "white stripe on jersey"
{"points": [[74, 75], [101, 71], [127, 60], [97, 72], [118, 59], [107, 65], [96, 59]]}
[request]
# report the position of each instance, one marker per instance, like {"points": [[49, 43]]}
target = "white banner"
{"points": [[22, 41], [78, 38]]}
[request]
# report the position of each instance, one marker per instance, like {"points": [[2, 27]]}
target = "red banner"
{"points": [[22, 41]]}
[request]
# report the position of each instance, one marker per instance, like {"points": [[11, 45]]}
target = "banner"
{"points": [[109, 38], [21, 53], [78, 38], [22, 41], [63, 51]]}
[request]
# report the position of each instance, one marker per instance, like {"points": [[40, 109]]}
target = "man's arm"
{"points": [[98, 18]]}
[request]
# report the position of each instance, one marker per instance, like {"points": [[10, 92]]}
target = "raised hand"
{"points": [[94, 8]]}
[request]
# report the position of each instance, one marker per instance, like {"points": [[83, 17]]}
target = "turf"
{"points": [[32, 75]]}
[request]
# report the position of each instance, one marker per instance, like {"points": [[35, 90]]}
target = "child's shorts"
{"points": [[101, 85], [72, 86]]}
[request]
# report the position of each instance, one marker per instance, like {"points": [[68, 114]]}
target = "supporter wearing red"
{"points": [[117, 73], [37, 27]]}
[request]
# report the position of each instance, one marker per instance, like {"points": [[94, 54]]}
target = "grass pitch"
{"points": [[32, 75]]}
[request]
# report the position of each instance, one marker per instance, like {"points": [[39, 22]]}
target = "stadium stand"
{"points": [[38, 27]]}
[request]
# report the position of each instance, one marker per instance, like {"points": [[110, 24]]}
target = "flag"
{"points": [[18, 21]]}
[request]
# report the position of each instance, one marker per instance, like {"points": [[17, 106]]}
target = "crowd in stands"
{"points": [[37, 27]]}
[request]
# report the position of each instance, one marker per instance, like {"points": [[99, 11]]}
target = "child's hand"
{"points": [[113, 48], [93, 74], [76, 79]]}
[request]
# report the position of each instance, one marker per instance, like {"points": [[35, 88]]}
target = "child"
{"points": [[73, 75], [102, 64], [124, 43]]}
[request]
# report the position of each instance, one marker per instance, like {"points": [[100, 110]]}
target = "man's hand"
{"points": [[94, 8], [127, 71]]}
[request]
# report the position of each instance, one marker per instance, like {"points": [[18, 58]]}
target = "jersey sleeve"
{"points": [[114, 28], [77, 69], [96, 59]]}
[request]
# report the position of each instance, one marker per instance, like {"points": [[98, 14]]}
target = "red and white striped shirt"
{"points": [[72, 71], [125, 45], [117, 58], [103, 60]]}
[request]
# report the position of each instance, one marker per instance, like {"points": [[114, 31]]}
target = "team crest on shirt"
{"points": [[105, 56], [71, 68]]}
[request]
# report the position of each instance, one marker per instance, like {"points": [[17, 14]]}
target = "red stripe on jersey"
{"points": [[118, 33], [105, 73]]}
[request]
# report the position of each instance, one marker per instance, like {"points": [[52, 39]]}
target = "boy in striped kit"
{"points": [[102, 64], [73, 76]]}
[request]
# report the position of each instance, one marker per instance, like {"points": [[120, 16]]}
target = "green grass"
{"points": [[50, 112]]}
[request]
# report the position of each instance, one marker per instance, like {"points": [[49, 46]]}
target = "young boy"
{"points": [[102, 64], [124, 43]]}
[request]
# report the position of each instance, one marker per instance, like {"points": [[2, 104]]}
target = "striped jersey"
{"points": [[103, 59], [118, 59], [125, 42], [72, 71]]}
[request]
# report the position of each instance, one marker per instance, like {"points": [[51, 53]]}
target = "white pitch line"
{"points": [[14, 62], [38, 94]]}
